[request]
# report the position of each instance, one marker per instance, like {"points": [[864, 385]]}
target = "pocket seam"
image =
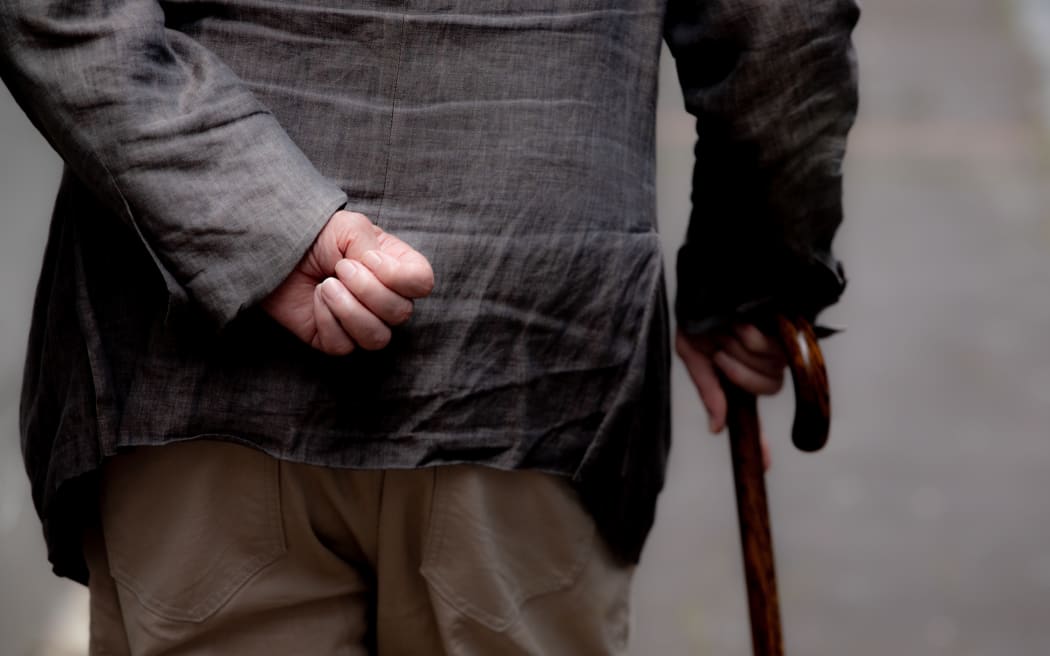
{"points": [[564, 578], [212, 603], [201, 611]]}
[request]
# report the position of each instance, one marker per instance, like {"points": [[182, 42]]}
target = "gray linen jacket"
{"points": [[207, 143]]}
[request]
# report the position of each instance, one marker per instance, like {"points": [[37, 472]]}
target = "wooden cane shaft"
{"points": [[755, 537]]}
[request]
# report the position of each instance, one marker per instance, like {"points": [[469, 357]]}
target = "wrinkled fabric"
{"points": [[773, 84], [512, 143]]}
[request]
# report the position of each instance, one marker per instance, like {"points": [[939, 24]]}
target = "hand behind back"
{"points": [[352, 285]]}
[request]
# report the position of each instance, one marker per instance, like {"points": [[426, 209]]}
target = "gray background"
{"points": [[924, 527]]}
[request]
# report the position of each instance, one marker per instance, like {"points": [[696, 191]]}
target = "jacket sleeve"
{"points": [[773, 86], [171, 141]]}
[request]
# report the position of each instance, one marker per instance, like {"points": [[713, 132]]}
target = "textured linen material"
{"points": [[512, 143], [773, 86], [211, 547], [159, 127]]}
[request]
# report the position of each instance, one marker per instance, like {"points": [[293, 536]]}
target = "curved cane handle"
{"points": [[812, 397]]}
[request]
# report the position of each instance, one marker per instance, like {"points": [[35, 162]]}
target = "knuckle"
{"points": [[752, 338], [374, 339], [753, 343], [357, 227], [358, 221], [422, 278], [401, 313]]}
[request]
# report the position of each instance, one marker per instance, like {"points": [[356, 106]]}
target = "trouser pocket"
{"points": [[187, 525], [498, 539]]}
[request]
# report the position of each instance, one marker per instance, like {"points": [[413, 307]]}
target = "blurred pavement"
{"points": [[923, 528]]}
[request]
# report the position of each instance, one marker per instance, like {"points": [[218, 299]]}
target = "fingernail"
{"points": [[373, 259], [346, 268], [327, 290]]}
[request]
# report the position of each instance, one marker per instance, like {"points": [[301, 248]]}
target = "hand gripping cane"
{"points": [[809, 433]]}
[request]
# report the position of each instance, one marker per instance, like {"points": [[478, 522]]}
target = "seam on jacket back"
{"points": [[393, 108]]}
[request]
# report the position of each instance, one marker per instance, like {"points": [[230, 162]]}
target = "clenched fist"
{"points": [[352, 285]]}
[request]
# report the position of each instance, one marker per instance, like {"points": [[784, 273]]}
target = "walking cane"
{"points": [[809, 433]]}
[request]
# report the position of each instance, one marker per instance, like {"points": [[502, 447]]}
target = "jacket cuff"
{"points": [[230, 286], [715, 292]]}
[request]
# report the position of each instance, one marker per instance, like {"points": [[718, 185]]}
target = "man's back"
{"points": [[512, 146]]}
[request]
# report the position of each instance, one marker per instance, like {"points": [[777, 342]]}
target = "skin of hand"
{"points": [[352, 285], [745, 356]]}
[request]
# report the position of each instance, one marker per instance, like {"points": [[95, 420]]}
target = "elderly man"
{"points": [[235, 433]]}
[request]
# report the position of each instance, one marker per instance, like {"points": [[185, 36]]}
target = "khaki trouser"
{"points": [[213, 548]]}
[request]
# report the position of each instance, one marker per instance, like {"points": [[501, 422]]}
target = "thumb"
{"points": [[356, 235], [346, 235]]}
